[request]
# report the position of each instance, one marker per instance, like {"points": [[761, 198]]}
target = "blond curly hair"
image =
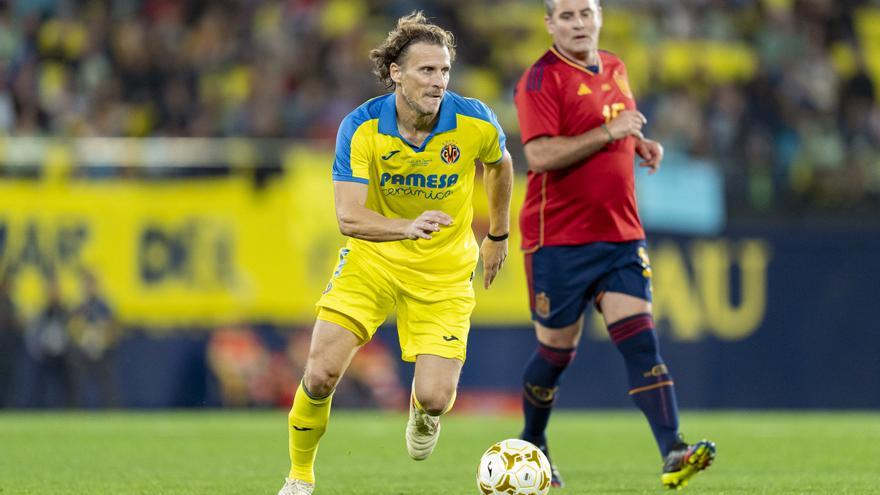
{"points": [[413, 28]]}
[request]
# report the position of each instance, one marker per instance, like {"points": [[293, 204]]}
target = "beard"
{"points": [[420, 109]]}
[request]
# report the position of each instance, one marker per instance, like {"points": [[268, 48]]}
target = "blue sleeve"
{"points": [[502, 138], [493, 150], [342, 164]]}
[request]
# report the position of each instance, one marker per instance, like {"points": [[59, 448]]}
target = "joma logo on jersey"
{"points": [[450, 153], [433, 181]]}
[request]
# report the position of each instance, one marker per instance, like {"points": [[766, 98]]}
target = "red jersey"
{"points": [[589, 201]]}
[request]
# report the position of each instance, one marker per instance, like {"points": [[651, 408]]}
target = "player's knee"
{"points": [[561, 341], [560, 338], [436, 402], [320, 381]]}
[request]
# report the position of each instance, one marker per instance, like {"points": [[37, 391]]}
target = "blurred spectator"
{"points": [[94, 334], [10, 341], [48, 344], [248, 372], [737, 83], [253, 370]]}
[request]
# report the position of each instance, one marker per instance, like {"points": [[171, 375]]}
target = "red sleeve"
{"points": [[617, 70], [623, 82], [537, 105]]}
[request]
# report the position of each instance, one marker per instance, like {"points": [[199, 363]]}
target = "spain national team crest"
{"points": [[542, 304], [450, 153]]}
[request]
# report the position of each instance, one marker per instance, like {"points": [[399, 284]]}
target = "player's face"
{"points": [[422, 77], [575, 26]]}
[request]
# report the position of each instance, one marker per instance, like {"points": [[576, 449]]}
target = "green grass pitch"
{"points": [[235, 453]]}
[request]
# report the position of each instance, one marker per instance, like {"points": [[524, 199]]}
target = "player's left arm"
{"points": [[498, 179], [651, 153]]}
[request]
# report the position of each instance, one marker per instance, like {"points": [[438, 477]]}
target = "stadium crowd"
{"points": [[780, 94]]}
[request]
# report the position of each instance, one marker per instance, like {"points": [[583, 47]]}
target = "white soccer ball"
{"points": [[513, 467]]}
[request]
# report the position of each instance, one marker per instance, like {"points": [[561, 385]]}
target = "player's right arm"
{"points": [[358, 221], [548, 153], [354, 153]]}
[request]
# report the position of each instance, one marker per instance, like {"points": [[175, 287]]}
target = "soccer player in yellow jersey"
{"points": [[403, 179]]}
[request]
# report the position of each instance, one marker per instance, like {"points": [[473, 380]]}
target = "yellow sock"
{"points": [[307, 422]]}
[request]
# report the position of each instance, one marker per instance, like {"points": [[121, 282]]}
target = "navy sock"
{"points": [[540, 381], [650, 384]]}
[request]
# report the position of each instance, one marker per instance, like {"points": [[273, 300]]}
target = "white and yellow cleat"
{"points": [[422, 432], [296, 487]]}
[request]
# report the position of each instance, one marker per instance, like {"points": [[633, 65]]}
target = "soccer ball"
{"points": [[513, 467]]}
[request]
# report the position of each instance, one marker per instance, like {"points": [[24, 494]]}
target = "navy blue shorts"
{"points": [[564, 279]]}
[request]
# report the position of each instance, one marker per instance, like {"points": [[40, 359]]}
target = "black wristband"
{"points": [[498, 238]]}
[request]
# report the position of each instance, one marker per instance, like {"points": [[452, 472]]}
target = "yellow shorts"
{"points": [[430, 320]]}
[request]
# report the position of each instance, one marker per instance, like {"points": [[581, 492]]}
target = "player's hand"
{"points": [[651, 153], [627, 123], [494, 253], [426, 224]]}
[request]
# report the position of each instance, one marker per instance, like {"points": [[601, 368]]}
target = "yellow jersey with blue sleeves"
{"points": [[405, 180]]}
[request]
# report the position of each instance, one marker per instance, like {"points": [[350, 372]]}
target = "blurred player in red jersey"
{"points": [[581, 230]]}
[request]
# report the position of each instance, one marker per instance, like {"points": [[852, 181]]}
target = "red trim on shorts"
{"points": [[530, 281]]}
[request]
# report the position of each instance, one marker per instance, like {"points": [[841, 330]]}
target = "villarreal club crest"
{"points": [[450, 153]]}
